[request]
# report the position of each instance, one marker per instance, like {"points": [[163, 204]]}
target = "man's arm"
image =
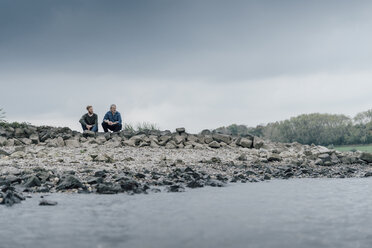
{"points": [[82, 120], [106, 118]]}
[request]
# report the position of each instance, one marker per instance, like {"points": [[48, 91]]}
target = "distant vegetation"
{"points": [[319, 129]]}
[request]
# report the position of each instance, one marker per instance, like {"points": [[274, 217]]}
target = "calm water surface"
{"points": [[293, 213]]}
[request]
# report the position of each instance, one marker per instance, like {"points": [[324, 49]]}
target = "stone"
{"points": [[367, 157], [73, 143], [108, 188], [208, 139], [274, 157], [242, 157], [19, 133], [171, 145], [180, 130], [3, 141], [10, 142], [205, 132], [34, 138], [100, 140], [26, 141], [214, 144], [18, 154], [88, 133], [33, 181], [258, 143], [222, 138], [47, 203], [163, 140], [244, 142], [129, 142], [60, 142], [70, 182], [325, 157], [2, 152], [179, 139]]}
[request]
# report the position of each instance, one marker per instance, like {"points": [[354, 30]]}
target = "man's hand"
{"points": [[89, 127], [110, 123]]}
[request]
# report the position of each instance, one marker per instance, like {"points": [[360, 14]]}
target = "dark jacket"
{"points": [[89, 120]]}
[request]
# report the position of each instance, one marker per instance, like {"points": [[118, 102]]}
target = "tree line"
{"points": [[316, 128]]}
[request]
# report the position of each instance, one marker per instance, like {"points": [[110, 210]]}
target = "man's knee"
{"points": [[84, 127], [118, 127]]}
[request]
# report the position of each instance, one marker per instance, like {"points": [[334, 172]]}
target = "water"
{"points": [[293, 213]]}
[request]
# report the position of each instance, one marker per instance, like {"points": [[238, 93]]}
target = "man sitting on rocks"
{"points": [[89, 121], [112, 120]]}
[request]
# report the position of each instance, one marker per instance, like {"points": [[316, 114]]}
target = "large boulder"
{"points": [[222, 138], [32, 182], [214, 144], [179, 138], [70, 182], [72, 143], [258, 143], [34, 138], [244, 142], [180, 130], [367, 157]]}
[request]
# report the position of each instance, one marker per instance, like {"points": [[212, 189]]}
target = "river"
{"points": [[278, 213]]}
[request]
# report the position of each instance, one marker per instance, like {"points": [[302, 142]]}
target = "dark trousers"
{"points": [[114, 128], [93, 129]]}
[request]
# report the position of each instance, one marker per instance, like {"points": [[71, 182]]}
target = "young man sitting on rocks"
{"points": [[89, 121], [112, 120]]}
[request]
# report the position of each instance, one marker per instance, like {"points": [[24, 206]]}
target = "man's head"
{"points": [[113, 108], [90, 109]]}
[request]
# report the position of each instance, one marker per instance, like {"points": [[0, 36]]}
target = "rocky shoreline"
{"points": [[48, 160]]}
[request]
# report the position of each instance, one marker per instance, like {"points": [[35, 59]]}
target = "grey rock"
{"points": [[70, 182], [180, 130], [47, 203], [222, 138], [365, 156], [244, 142], [214, 144], [33, 181]]}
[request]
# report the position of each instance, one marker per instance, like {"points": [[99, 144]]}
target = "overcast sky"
{"points": [[192, 63]]}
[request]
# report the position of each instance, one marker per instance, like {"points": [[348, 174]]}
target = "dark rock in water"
{"points": [[195, 184], [32, 182], [214, 183], [129, 185], [108, 188], [368, 174], [267, 177], [47, 203], [175, 188], [9, 197], [70, 182], [365, 156]]}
